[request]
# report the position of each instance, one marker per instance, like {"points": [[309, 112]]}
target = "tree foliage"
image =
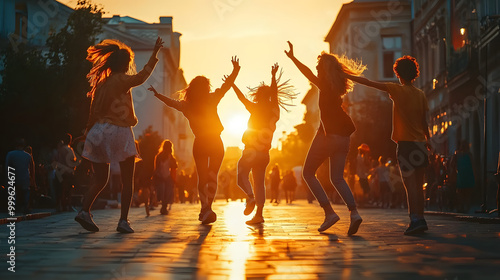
{"points": [[43, 91]]}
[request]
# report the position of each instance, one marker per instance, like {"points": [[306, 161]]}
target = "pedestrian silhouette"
{"points": [[164, 175], [20, 166], [289, 184], [410, 132], [65, 163], [462, 166], [275, 179], [199, 106], [109, 136], [333, 136]]}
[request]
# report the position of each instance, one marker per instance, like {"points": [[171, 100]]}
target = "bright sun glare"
{"points": [[236, 125]]}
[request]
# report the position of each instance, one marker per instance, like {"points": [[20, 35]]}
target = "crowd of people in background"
{"points": [[57, 178], [449, 180]]}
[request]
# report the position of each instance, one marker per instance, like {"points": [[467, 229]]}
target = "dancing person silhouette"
{"points": [[109, 136], [333, 136], [199, 106], [410, 132], [264, 113]]}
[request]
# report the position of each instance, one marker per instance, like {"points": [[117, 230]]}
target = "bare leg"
{"points": [[127, 172], [101, 173]]}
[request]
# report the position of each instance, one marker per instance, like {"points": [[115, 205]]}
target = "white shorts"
{"points": [[106, 143]]}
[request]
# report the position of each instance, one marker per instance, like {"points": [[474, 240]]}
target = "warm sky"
{"points": [[254, 30]]}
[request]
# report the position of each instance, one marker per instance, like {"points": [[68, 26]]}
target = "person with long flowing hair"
{"points": [[199, 106], [333, 136], [264, 113], [109, 136]]}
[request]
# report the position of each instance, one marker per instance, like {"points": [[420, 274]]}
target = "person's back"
{"points": [[20, 161], [410, 108]]}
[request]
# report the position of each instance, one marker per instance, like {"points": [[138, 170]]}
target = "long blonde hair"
{"points": [[107, 57], [333, 64]]}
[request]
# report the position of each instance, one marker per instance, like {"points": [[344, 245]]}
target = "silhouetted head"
{"points": [[20, 143], [108, 57], [406, 68], [364, 149], [262, 93], [166, 147], [331, 68], [66, 139], [464, 146], [197, 90]]}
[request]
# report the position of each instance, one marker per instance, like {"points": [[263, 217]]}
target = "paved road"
{"points": [[288, 246]]}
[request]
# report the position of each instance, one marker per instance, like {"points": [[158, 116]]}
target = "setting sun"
{"points": [[236, 124]]}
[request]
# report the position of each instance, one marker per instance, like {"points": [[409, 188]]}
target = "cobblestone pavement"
{"points": [[288, 246]]}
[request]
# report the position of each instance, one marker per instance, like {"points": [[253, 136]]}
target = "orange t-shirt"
{"points": [[408, 113]]}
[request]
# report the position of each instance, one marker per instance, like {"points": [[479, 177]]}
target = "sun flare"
{"points": [[236, 124]]}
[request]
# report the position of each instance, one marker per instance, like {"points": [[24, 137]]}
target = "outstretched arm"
{"points": [[229, 81], [168, 101], [366, 82], [302, 68], [247, 103]]}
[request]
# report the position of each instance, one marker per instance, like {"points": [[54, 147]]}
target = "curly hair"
{"points": [[333, 64], [107, 57], [406, 68]]}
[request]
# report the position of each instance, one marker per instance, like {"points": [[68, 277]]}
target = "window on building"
{"points": [[391, 50], [21, 26], [489, 8]]}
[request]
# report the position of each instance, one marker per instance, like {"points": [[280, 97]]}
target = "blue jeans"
{"points": [[255, 161], [334, 147]]}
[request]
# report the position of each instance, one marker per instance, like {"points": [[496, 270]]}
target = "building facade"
{"points": [[457, 42], [32, 21]]}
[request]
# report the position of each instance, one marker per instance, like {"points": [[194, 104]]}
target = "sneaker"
{"points": [[86, 221], [255, 220], [163, 211], [209, 217], [124, 227], [330, 220], [416, 227], [250, 205], [354, 226]]}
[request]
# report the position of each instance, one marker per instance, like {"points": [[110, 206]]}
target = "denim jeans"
{"points": [[334, 147], [255, 161]]}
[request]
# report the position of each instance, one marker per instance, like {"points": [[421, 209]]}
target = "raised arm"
{"points": [[366, 82], [168, 101], [302, 68], [274, 83], [247, 103], [139, 78], [229, 81]]}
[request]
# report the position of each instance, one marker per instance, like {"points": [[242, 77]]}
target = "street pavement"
{"points": [[287, 246]]}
